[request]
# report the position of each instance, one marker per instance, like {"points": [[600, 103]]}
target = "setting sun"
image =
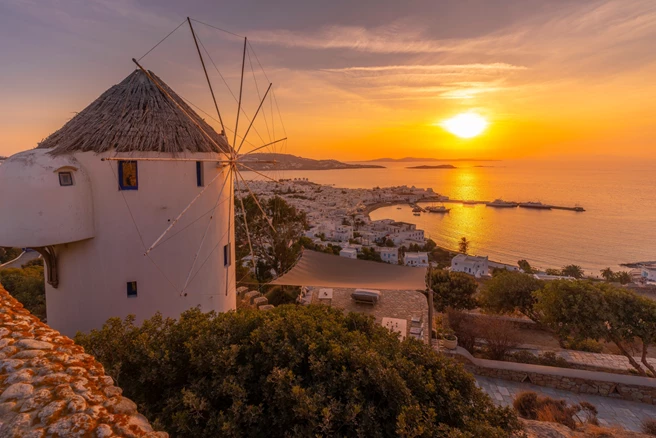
{"points": [[466, 125]]}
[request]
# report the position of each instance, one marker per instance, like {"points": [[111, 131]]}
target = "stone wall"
{"points": [[633, 388], [50, 387]]}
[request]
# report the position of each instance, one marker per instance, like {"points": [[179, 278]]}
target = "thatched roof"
{"points": [[135, 116]]}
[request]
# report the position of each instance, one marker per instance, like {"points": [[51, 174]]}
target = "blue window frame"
{"points": [[132, 289], [128, 175], [200, 174]]}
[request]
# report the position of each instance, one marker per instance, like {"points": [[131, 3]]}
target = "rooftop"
{"points": [[50, 387], [136, 116]]}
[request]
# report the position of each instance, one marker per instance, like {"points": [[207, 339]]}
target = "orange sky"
{"points": [[554, 78]]}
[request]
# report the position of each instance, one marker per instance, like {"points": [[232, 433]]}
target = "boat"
{"points": [[398, 208], [417, 214], [438, 209], [417, 209], [535, 205], [500, 203]]}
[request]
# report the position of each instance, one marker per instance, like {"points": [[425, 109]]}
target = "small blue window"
{"points": [[200, 174], [128, 175], [132, 289]]}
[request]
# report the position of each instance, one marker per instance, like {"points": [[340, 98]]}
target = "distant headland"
{"points": [[415, 159], [438, 166], [265, 161]]}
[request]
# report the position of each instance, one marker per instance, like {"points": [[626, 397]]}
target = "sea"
{"points": [[619, 198]]}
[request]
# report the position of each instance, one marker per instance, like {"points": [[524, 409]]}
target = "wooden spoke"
{"points": [[256, 201]]}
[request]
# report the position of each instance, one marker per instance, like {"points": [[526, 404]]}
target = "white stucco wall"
{"points": [[36, 209], [94, 273]]}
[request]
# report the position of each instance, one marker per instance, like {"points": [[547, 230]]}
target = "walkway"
{"points": [[24, 258], [598, 360], [612, 412]]}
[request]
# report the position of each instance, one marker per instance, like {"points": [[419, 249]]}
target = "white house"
{"points": [[648, 273], [349, 253], [389, 255], [416, 259], [476, 266], [342, 233], [87, 200]]}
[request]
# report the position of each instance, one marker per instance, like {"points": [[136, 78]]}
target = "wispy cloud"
{"points": [[434, 68]]}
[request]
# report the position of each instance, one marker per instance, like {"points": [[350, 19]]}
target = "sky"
{"points": [[353, 80]]}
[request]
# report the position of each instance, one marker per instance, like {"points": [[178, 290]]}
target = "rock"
{"points": [[121, 405], [33, 344], [76, 404], [74, 426], [104, 431], [17, 391], [51, 412]]}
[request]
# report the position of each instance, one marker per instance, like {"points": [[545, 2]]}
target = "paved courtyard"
{"points": [[612, 412]]}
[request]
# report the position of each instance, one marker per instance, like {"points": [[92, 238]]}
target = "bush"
{"points": [[533, 407], [549, 359], [500, 335], [291, 371], [279, 295], [649, 426], [510, 291], [27, 286], [453, 289], [464, 328], [587, 345]]}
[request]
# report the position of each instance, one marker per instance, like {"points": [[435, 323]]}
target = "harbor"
{"points": [[498, 203]]}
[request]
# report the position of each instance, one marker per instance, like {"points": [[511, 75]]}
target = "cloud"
{"points": [[434, 68]]}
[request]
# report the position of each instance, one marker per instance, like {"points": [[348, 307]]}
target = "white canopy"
{"points": [[320, 269]]}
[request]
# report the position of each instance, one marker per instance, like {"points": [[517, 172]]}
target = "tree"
{"points": [[453, 289], [525, 266], [553, 271], [369, 254], [27, 285], [508, 291], [463, 245], [573, 271], [623, 277], [389, 243], [277, 250], [291, 371], [9, 254], [585, 310], [607, 274]]}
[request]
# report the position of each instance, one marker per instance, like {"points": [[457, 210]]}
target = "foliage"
{"points": [[586, 310], [9, 254], [573, 271], [500, 335], [429, 246], [463, 245], [389, 243], [510, 291], [553, 271], [27, 285], [464, 328], [525, 266], [291, 371], [587, 345], [622, 277], [533, 407], [453, 289], [369, 254], [441, 257], [649, 426], [278, 295], [548, 358]]}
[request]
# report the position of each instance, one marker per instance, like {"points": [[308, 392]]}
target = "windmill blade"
{"points": [[241, 89], [263, 146], [175, 221], [253, 119], [255, 199], [248, 234], [253, 170]]}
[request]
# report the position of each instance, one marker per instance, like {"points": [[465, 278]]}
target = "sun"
{"points": [[465, 125]]}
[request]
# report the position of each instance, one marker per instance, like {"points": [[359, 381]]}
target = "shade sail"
{"points": [[327, 270]]}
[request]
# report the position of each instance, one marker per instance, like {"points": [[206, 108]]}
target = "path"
{"points": [[598, 360], [24, 258], [612, 411]]}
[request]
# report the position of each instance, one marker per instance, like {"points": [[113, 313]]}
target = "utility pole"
{"points": [[430, 304]]}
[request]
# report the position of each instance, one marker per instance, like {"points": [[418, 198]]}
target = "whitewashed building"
{"points": [[415, 259], [389, 255], [349, 253], [648, 273], [476, 266], [93, 219]]}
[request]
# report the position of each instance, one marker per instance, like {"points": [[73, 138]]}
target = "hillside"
{"points": [[415, 159], [292, 162]]}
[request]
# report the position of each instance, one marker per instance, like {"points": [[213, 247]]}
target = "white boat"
{"points": [[535, 205], [500, 203], [438, 209]]}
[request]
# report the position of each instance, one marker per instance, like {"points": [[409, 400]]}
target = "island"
{"points": [[439, 166], [275, 161]]}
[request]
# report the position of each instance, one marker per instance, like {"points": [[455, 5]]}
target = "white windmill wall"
{"points": [[94, 273], [36, 209]]}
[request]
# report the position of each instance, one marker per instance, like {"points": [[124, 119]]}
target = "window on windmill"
{"points": [[132, 289], [128, 175], [65, 179], [200, 174], [226, 255]]}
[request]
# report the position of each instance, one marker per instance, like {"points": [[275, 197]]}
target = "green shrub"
{"points": [[548, 358], [587, 345], [292, 371], [531, 406]]}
